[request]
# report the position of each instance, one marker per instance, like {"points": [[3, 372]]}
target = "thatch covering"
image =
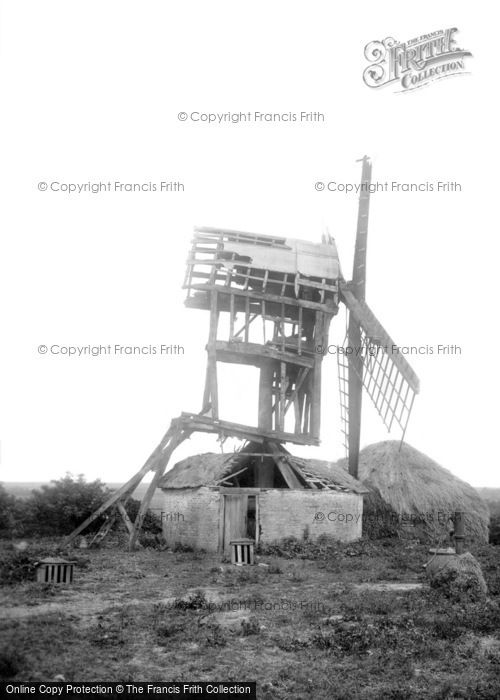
{"points": [[419, 491], [209, 469], [206, 469]]}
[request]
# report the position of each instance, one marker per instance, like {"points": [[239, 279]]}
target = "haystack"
{"points": [[421, 494], [460, 578]]}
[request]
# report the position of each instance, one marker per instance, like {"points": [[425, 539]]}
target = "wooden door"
{"points": [[235, 518]]}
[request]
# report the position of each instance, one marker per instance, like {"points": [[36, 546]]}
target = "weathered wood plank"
{"points": [[195, 422]]}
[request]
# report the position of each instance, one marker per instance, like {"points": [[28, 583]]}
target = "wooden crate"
{"points": [[242, 551]]}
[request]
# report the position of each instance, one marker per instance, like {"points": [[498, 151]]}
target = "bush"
{"points": [[13, 515], [16, 566], [7, 507], [59, 508]]}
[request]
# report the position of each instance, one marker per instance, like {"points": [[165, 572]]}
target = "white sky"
{"points": [[91, 91]]}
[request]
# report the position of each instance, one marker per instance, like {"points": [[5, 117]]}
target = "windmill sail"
{"points": [[370, 358], [384, 372]]}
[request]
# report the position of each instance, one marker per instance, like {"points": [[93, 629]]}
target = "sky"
{"points": [[92, 93]]}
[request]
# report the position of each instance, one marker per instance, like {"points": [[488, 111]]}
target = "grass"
{"points": [[301, 626]]}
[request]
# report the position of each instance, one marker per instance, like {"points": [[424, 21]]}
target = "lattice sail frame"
{"points": [[343, 376], [391, 385]]}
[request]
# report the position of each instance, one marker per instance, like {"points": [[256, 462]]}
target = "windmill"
{"points": [[271, 300]]}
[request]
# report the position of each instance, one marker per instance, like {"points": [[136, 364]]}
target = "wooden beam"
{"points": [[320, 338], [282, 395], [286, 470], [212, 355], [297, 414], [197, 423], [230, 476], [327, 307], [232, 316], [103, 530], [306, 413], [245, 326], [129, 486], [315, 417], [125, 518], [265, 416], [176, 440], [355, 388], [248, 320], [298, 384], [257, 351]]}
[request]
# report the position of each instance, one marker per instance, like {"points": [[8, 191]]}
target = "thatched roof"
{"points": [[412, 483], [206, 469], [209, 469]]}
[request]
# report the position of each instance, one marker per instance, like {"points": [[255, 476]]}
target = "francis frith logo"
{"points": [[414, 63]]}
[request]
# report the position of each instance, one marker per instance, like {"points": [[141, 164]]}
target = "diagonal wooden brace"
{"points": [[175, 440], [130, 486]]}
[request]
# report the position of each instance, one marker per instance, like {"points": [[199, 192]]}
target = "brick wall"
{"points": [[191, 517], [290, 513]]}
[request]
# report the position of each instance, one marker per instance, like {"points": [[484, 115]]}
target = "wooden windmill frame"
{"points": [[278, 297]]}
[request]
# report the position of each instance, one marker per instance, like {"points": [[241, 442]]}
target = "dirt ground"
{"points": [[357, 621]]}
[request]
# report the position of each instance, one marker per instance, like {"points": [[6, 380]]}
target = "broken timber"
{"points": [[292, 286]]}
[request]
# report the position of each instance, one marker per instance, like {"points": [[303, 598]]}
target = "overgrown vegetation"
{"points": [[312, 624], [55, 509], [297, 632], [58, 508], [17, 566]]}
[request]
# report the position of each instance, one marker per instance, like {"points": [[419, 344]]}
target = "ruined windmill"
{"points": [[271, 300]]}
